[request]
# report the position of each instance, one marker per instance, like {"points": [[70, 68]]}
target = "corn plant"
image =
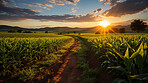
{"points": [[126, 53], [16, 53]]}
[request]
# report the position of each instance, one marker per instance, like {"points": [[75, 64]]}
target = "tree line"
{"points": [[20, 31]]}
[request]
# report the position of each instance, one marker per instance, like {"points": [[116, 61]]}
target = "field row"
{"points": [[17, 53], [123, 55]]}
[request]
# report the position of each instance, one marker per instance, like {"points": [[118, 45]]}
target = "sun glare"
{"points": [[104, 23]]}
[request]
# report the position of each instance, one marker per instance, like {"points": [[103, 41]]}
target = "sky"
{"points": [[71, 13]]}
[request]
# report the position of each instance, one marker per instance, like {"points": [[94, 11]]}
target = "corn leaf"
{"points": [[118, 68], [140, 77], [127, 53], [118, 54]]}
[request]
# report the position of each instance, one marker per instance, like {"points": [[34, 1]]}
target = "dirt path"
{"points": [[71, 73], [68, 73]]}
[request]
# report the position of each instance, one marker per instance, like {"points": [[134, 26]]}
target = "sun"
{"points": [[104, 29], [104, 23]]}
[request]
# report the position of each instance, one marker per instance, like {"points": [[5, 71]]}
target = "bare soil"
{"points": [[71, 73]]}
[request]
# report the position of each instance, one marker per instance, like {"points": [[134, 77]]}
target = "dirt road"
{"points": [[68, 73]]}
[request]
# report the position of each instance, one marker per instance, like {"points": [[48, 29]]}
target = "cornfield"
{"points": [[16, 53], [124, 55]]}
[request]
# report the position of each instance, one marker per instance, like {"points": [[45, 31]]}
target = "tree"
{"points": [[27, 32], [12, 31], [74, 31], [19, 31], [46, 31], [138, 25]]}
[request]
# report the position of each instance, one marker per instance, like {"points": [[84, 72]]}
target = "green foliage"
{"points": [[16, 53], [46, 31], [138, 25], [19, 31], [125, 53], [140, 77]]}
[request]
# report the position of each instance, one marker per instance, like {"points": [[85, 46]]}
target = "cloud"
{"points": [[20, 14], [111, 2], [45, 6], [15, 11], [127, 7], [127, 22], [73, 2], [4, 17], [58, 18], [9, 1], [3, 2], [60, 4], [98, 10], [74, 9]]}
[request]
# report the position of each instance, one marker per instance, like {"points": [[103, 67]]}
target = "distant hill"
{"points": [[54, 29], [65, 29], [6, 28]]}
